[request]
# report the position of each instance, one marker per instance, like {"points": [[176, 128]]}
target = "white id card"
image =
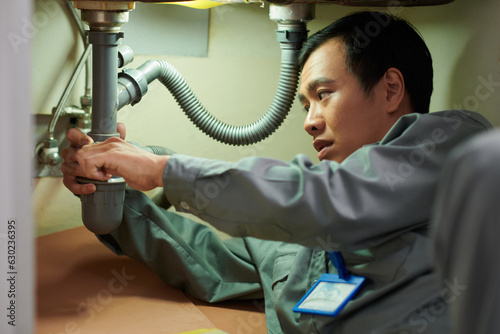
{"points": [[329, 295]]}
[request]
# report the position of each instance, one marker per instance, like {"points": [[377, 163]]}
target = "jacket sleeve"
{"points": [[380, 191], [185, 254]]}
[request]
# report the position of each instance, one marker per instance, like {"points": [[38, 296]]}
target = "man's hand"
{"points": [[140, 169], [77, 139]]}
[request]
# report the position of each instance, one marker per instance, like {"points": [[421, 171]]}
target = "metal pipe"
{"points": [[77, 20], [67, 91], [50, 152], [81, 30]]}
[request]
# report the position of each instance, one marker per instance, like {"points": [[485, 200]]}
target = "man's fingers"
{"points": [[71, 167], [68, 155], [78, 138], [120, 127], [77, 188]]}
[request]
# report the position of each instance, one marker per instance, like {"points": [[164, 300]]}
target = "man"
{"points": [[370, 197]]}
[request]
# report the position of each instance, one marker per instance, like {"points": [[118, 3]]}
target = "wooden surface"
{"points": [[82, 287]]}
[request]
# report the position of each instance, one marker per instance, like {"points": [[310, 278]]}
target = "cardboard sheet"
{"points": [[82, 287]]}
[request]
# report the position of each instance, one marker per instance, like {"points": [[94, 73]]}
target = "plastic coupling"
{"points": [[102, 211], [291, 36], [133, 86]]}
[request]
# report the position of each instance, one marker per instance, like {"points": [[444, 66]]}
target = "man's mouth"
{"points": [[322, 146]]}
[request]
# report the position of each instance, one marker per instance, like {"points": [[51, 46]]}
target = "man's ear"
{"points": [[395, 89]]}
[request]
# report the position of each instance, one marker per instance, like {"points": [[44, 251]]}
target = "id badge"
{"points": [[329, 295]]}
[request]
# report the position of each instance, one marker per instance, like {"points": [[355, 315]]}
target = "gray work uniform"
{"points": [[374, 207], [466, 234]]}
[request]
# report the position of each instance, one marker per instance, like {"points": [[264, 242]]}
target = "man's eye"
{"points": [[306, 109], [323, 94]]}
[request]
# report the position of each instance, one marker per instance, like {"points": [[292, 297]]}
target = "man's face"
{"points": [[341, 117]]}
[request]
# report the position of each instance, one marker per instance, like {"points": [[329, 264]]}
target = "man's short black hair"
{"points": [[375, 42]]}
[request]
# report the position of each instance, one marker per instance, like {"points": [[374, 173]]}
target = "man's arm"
{"points": [[186, 254], [379, 192]]}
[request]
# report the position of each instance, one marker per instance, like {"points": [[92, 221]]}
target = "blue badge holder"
{"points": [[329, 295]]}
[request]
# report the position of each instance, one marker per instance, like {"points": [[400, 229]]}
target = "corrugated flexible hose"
{"points": [[215, 128]]}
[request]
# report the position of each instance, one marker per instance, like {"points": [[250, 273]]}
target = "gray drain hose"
{"points": [[134, 85]]}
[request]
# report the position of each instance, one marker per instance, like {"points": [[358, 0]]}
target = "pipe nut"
{"points": [[105, 21], [294, 12], [49, 152], [86, 101]]}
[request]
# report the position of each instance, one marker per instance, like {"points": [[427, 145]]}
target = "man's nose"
{"points": [[314, 122]]}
